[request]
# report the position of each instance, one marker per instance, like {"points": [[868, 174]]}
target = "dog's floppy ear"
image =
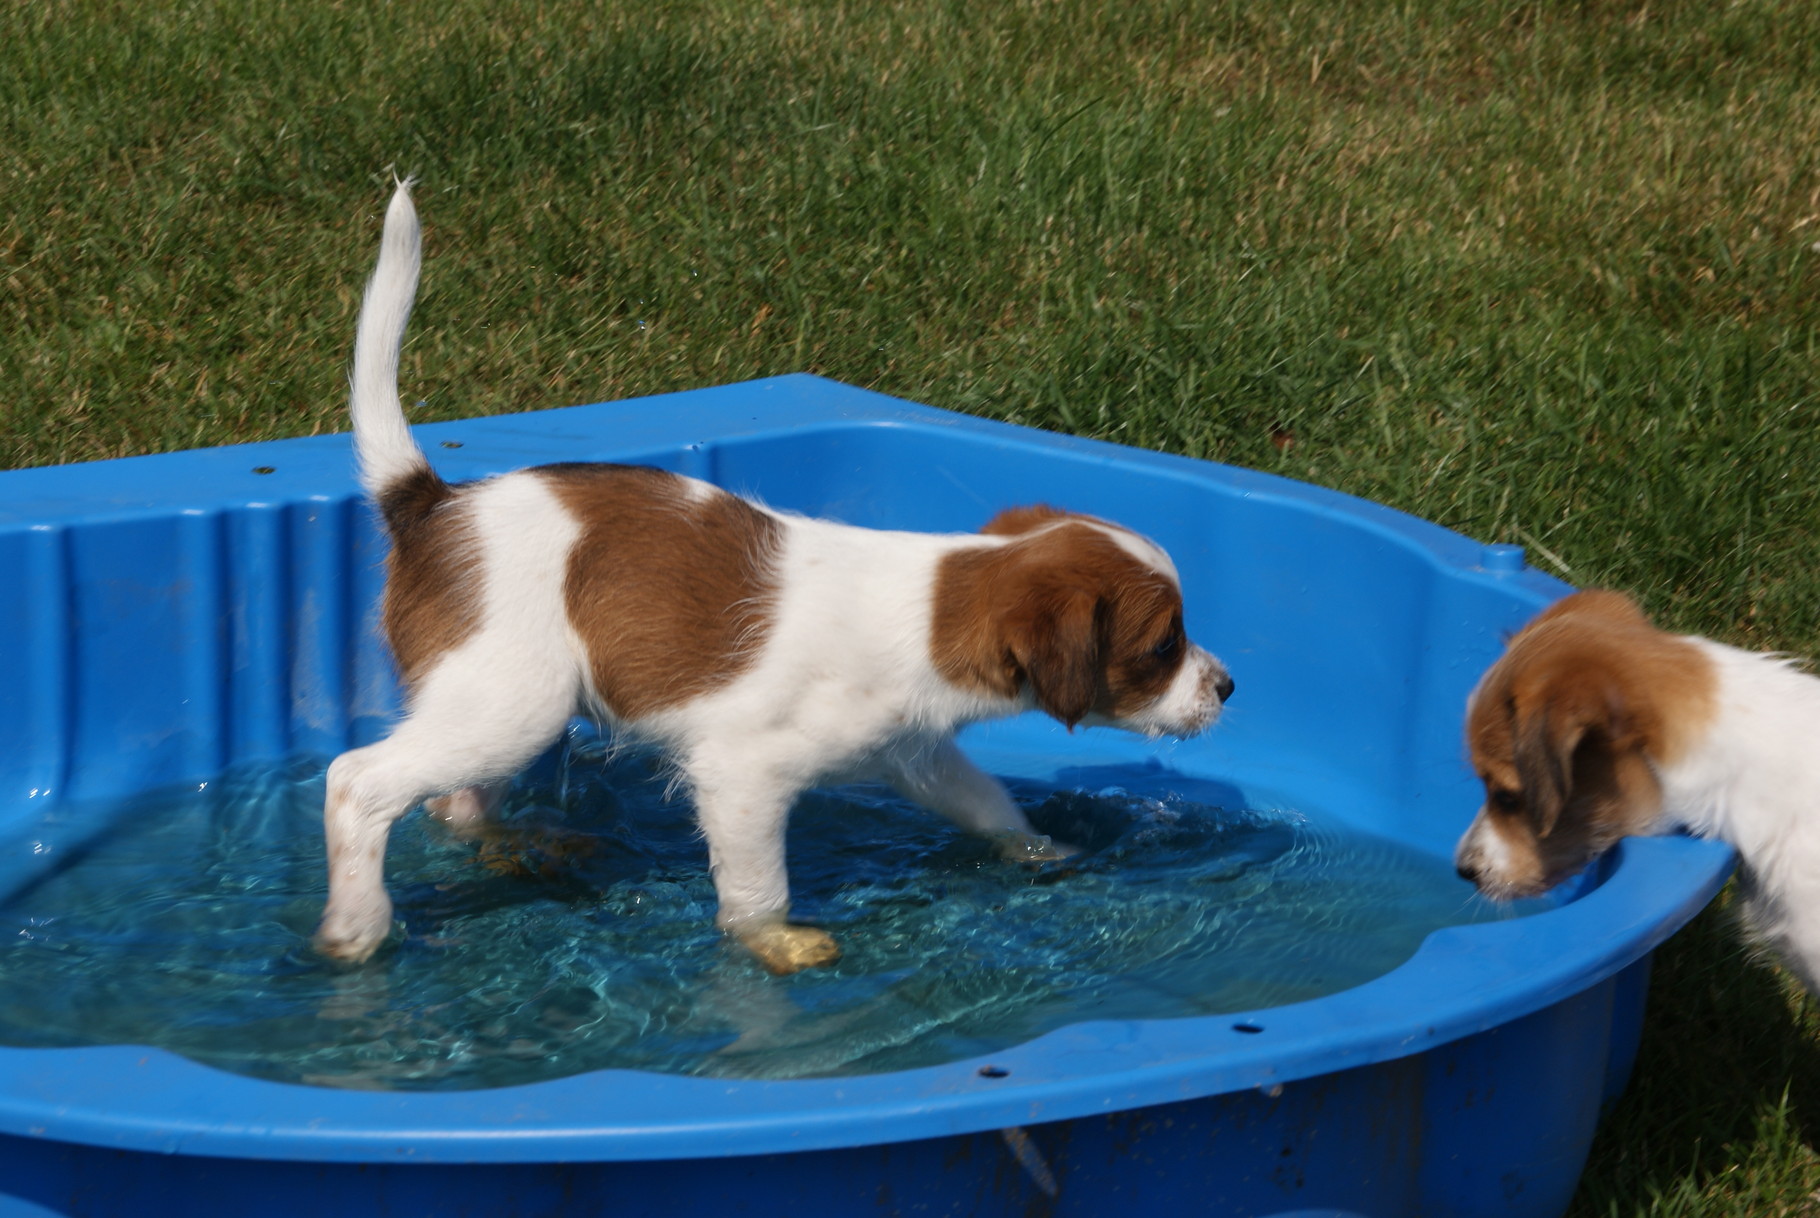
{"points": [[1545, 746], [1054, 642], [1586, 712]]}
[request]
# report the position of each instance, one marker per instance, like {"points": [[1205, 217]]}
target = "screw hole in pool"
{"points": [[1248, 1028], [994, 1072]]}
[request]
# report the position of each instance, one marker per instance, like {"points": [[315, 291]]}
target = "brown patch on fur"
{"points": [[1563, 731], [431, 603], [1067, 612], [669, 594]]}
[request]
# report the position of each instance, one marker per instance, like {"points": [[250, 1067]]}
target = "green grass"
{"points": [[1544, 271]]}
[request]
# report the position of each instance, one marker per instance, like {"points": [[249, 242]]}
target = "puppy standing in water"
{"points": [[1594, 725], [764, 652]]}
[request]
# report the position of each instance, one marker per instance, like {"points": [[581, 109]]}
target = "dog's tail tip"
{"points": [[401, 206], [401, 239], [385, 450]]}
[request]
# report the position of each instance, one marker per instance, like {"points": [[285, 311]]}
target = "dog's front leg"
{"points": [[942, 779], [744, 818]]}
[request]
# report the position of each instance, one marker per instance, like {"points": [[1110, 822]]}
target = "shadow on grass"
{"points": [[1728, 1074]]}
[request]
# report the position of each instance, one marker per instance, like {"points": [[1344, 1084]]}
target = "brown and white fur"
{"points": [[1594, 724], [763, 652]]}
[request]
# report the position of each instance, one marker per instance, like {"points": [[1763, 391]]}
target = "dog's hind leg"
{"points": [[368, 789], [484, 714]]}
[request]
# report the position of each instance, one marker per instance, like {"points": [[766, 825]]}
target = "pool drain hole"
{"points": [[993, 1072], [1250, 1028]]}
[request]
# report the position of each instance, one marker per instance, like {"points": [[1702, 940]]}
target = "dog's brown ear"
{"points": [[1584, 713], [1545, 746], [1054, 642]]}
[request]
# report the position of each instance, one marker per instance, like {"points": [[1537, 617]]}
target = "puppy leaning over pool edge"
{"points": [[763, 652], [1594, 724]]}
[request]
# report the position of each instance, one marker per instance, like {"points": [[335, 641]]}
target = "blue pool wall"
{"points": [[1491, 1125], [175, 626], [171, 615]]}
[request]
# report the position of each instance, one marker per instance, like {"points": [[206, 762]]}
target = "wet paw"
{"points": [[1034, 848], [783, 948], [348, 945]]}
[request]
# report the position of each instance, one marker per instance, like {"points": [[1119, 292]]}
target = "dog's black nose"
{"points": [[1467, 872], [1225, 687]]}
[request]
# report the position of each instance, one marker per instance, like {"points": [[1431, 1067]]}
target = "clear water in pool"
{"points": [[581, 937]]}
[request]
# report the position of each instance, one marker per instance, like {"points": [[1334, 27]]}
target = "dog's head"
{"points": [[1566, 731], [1082, 616]]}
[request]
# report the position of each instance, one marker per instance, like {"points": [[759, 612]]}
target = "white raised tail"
{"points": [[383, 444]]}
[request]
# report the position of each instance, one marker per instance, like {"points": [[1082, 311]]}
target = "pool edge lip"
{"points": [[560, 1119]]}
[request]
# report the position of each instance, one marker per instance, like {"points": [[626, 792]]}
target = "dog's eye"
{"points": [[1167, 647], [1506, 801]]}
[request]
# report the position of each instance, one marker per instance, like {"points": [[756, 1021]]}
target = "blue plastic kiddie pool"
{"points": [[168, 617]]}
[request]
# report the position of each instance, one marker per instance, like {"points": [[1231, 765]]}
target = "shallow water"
{"points": [[583, 939]]}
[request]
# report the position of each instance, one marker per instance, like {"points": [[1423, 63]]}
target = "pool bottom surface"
{"points": [[581, 936]]}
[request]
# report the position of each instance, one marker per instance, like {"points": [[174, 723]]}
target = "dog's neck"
{"points": [[1753, 776]]}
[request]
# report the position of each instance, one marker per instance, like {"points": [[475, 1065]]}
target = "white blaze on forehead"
{"points": [[1144, 550], [695, 490], [1139, 547]]}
